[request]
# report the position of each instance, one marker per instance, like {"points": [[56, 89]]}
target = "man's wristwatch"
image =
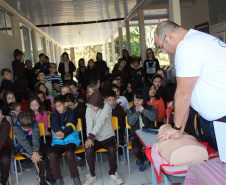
{"points": [[176, 128]]}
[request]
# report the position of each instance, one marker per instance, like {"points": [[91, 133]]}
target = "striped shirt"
{"points": [[50, 78]]}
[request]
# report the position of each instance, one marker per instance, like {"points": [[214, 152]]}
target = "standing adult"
{"points": [[20, 80], [151, 65], [42, 65], [100, 64], [201, 73], [66, 68]]}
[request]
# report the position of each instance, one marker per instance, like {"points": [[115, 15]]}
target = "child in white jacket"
{"points": [[100, 134]]}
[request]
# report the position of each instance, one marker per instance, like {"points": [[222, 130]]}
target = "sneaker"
{"points": [[121, 159], [51, 181], [77, 181], [18, 171], [142, 167], [116, 178], [90, 180], [137, 162], [25, 166], [43, 183], [59, 181]]}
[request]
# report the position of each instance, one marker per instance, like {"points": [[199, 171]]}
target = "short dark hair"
{"points": [[138, 94], [39, 92], [25, 119], [56, 81], [46, 57], [36, 68], [5, 70], [73, 83], [114, 86], [40, 72], [110, 93], [70, 97], [156, 76], [94, 80], [40, 55], [60, 98]]}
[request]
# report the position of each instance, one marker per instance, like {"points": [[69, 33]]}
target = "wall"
{"points": [[9, 43], [195, 14]]}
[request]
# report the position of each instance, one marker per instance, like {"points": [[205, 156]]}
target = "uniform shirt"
{"points": [[204, 56]]}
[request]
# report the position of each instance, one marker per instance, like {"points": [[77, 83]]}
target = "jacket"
{"points": [[67, 123], [5, 140], [44, 67], [160, 107], [61, 69], [149, 115], [27, 140], [98, 123]]}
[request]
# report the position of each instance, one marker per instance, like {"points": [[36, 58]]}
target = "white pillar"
{"points": [[35, 45], [113, 49], [104, 52], [45, 45], [108, 56], [120, 36], [175, 16], [142, 34], [128, 37]]}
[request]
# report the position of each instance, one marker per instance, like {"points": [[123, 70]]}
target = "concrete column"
{"points": [[108, 56], [113, 49], [142, 34], [53, 53], [128, 37], [104, 52], [120, 36], [175, 16]]}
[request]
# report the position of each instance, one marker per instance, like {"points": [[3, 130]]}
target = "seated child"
{"points": [[42, 79], [117, 111], [137, 117], [65, 89], [56, 87], [53, 76], [6, 147], [100, 135], [35, 108], [7, 82], [27, 135], [77, 93], [96, 81], [45, 102], [13, 110], [128, 93], [8, 97], [90, 89], [80, 112], [121, 100], [44, 89], [65, 139], [158, 103]]}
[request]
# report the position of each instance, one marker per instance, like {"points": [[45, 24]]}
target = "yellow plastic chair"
{"points": [[114, 121], [131, 104], [18, 156], [48, 116]]}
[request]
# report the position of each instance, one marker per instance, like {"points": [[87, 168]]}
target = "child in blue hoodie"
{"points": [[65, 139], [31, 147]]}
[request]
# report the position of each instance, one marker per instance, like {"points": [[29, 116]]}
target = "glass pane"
{"points": [[9, 24], [2, 22], [40, 44], [49, 50]]}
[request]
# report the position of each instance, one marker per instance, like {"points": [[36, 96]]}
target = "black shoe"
{"points": [[77, 181], [51, 181], [80, 162]]}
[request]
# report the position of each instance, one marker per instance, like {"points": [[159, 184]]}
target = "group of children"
{"points": [[104, 96]]}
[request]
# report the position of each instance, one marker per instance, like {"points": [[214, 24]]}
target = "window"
{"points": [[40, 44], [49, 50], [5, 22]]}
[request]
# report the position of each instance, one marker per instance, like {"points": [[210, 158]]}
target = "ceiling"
{"points": [[47, 13]]}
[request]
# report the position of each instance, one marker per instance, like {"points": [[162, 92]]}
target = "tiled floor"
{"points": [[136, 177]]}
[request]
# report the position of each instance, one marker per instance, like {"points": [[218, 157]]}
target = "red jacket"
{"points": [[160, 107]]}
